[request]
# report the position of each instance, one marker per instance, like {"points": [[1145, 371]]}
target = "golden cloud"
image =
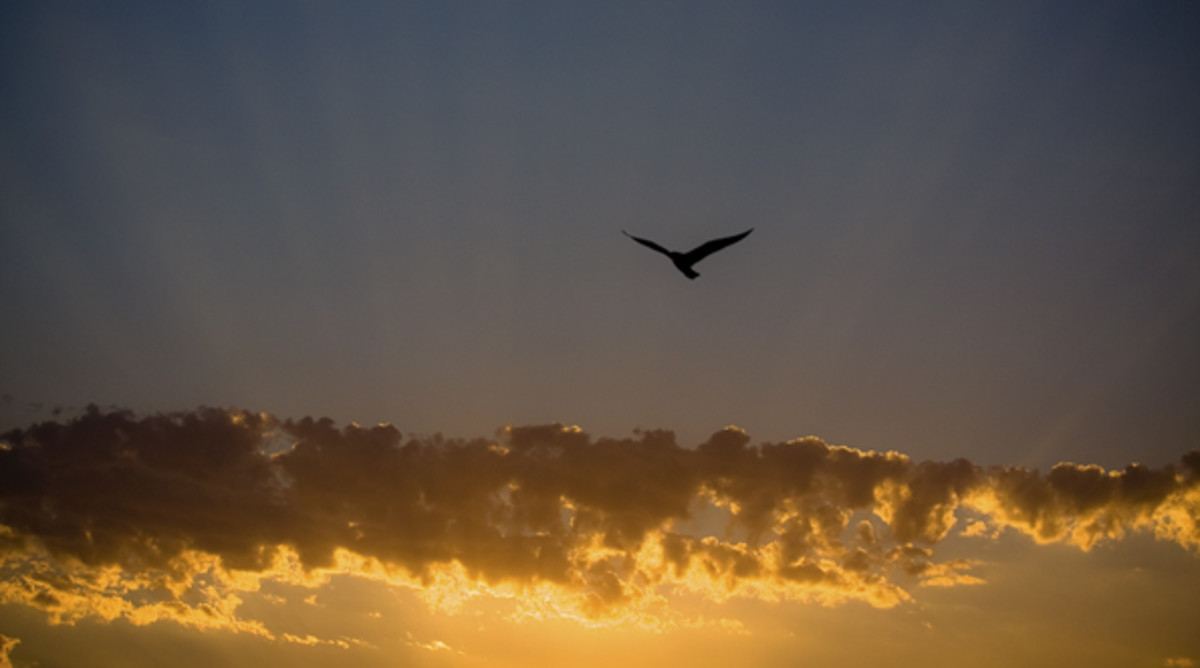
{"points": [[6, 647], [178, 516]]}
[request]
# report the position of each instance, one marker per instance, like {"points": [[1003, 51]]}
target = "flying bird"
{"points": [[684, 261]]}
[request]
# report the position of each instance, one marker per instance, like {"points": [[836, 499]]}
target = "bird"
{"points": [[684, 261]]}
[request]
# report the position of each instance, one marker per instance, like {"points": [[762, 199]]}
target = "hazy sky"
{"points": [[977, 232]]}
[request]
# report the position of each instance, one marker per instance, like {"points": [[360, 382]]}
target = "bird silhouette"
{"points": [[684, 261]]}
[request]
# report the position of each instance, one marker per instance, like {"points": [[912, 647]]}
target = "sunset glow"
{"points": [[460, 334], [188, 519]]}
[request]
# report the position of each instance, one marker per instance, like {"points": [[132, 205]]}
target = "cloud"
{"points": [[6, 647], [178, 516]]}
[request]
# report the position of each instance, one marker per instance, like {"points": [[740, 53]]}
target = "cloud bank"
{"points": [[178, 516]]}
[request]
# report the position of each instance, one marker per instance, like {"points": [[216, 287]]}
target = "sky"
{"points": [[324, 344]]}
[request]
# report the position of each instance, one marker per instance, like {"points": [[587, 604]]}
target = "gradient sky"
{"points": [[977, 235]]}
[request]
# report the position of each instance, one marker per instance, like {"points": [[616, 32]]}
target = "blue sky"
{"points": [[976, 224]]}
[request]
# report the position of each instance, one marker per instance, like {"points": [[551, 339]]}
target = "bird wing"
{"points": [[709, 247], [648, 244]]}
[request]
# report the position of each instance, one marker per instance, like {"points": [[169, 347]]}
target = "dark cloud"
{"points": [[155, 503]]}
